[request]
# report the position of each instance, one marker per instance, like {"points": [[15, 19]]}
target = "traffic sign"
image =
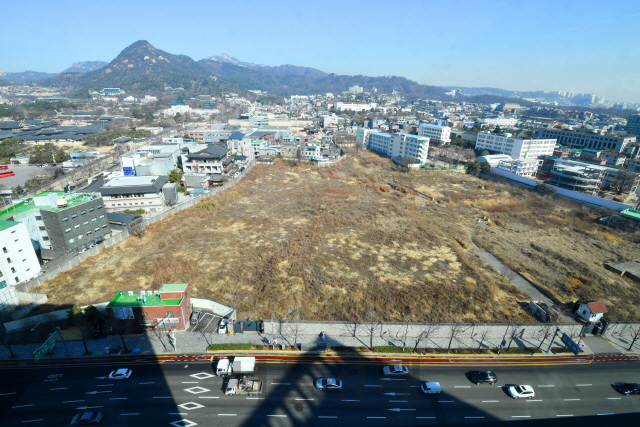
{"points": [[38, 353]]}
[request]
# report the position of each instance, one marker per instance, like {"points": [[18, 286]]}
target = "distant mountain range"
{"points": [[85, 66], [34, 76]]}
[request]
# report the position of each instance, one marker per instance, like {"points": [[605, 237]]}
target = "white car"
{"points": [[222, 327], [395, 371], [524, 391], [120, 374], [430, 388]]}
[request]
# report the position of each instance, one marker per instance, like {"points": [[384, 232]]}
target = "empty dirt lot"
{"points": [[339, 242]]}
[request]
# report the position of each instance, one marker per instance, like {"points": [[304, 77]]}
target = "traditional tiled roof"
{"points": [[597, 307]]}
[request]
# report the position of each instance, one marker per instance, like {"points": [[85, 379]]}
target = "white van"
{"points": [[430, 388]]}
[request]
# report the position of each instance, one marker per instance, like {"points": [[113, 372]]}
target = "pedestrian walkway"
{"points": [[600, 346]]}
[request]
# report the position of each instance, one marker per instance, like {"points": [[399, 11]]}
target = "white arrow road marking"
{"points": [[104, 385], [397, 394], [21, 406], [282, 416], [398, 401], [426, 418], [118, 398], [327, 416], [61, 388], [377, 417], [6, 394], [398, 409], [33, 421], [101, 378], [147, 383], [280, 383], [373, 386], [72, 401], [96, 392], [89, 407]]}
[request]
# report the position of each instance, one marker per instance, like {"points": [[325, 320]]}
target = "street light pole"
{"points": [[504, 337], [405, 333]]}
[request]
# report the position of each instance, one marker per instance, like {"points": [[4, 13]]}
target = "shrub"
{"points": [[214, 347], [522, 350], [134, 211], [392, 349]]}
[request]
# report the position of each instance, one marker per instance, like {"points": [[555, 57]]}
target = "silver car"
{"points": [[524, 391], [328, 384], [395, 371]]}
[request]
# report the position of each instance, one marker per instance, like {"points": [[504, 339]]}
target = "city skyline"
{"points": [[578, 49]]}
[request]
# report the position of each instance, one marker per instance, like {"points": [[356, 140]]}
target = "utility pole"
{"points": [[504, 337], [405, 334]]}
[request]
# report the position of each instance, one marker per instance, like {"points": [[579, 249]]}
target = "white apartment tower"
{"points": [[516, 148], [435, 132], [18, 260], [400, 145]]}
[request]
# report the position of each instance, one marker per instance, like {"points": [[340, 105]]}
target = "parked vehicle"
{"points": [[487, 377], [222, 326], [628, 388], [120, 374], [243, 387], [518, 391], [195, 317], [86, 418], [328, 384], [430, 388], [395, 371], [237, 367]]}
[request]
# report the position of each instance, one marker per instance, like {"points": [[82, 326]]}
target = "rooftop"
{"points": [[4, 225], [135, 300], [124, 181]]}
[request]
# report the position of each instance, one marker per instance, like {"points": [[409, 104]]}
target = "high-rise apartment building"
{"points": [[435, 132], [516, 148]]}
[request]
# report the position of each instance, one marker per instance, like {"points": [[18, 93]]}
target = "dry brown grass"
{"points": [[339, 241]]}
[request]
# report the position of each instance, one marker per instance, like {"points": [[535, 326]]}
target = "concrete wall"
{"points": [[217, 308], [564, 192]]}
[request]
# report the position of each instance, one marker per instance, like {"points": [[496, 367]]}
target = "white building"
{"points": [[400, 145], [500, 121], [435, 132], [354, 106], [521, 167], [515, 147], [356, 89], [362, 136], [18, 260], [134, 192], [328, 121]]}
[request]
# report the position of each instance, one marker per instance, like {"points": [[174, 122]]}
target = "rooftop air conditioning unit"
{"points": [[61, 202], [130, 293]]}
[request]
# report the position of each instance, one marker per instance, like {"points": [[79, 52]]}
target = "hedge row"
{"points": [[230, 347], [392, 349], [522, 350]]}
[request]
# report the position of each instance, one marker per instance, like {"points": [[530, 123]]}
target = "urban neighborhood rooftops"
{"points": [[133, 185]]}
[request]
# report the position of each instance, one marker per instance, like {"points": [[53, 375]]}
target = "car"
{"points": [[86, 418], [628, 388], [487, 377], [328, 384], [195, 317], [395, 371], [524, 391], [430, 388], [120, 374], [222, 326]]}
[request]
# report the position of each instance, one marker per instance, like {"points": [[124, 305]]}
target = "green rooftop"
{"points": [[7, 224], [28, 205], [631, 213], [125, 300]]}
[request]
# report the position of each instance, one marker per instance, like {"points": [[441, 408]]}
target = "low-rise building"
{"points": [[134, 192], [589, 140], [400, 145], [436, 133], [591, 311], [521, 167], [515, 147], [613, 158], [168, 308]]}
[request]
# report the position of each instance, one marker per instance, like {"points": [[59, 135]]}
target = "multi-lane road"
{"points": [[188, 394]]}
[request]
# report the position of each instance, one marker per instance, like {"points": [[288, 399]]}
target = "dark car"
{"points": [[628, 388], [487, 377]]}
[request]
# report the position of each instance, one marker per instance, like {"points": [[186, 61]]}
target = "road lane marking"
{"points": [[546, 385], [351, 400], [303, 399], [281, 416], [136, 413], [280, 383], [521, 416], [426, 418], [398, 401], [414, 386], [568, 415], [376, 418], [147, 383], [6, 394], [614, 398], [538, 400], [566, 400], [461, 386], [177, 413], [211, 397], [118, 398], [72, 401], [327, 416], [613, 413], [473, 417], [583, 385], [228, 415], [445, 401], [190, 382], [104, 385], [490, 401], [365, 386], [162, 397], [21, 406], [251, 398], [61, 388], [33, 421]]}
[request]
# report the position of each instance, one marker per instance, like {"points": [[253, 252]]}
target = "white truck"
{"points": [[237, 367], [243, 387]]}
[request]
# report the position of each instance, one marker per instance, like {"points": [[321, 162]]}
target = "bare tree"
{"points": [[123, 328], [634, 334], [299, 155], [545, 332], [84, 319], [136, 228], [408, 160], [371, 322], [512, 335], [294, 327], [425, 332], [483, 337], [455, 330]]}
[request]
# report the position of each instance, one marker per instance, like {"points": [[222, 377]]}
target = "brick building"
{"points": [[168, 308]]}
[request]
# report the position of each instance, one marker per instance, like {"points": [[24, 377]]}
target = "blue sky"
{"points": [[584, 46]]}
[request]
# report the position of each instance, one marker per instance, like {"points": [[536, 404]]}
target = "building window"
{"points": [[65, 219], [74, 216], [144, 314], [169, 313], [9, 260], [90, 209], [4, 250], [13, 269], [85, 223], [94, 219], [38, 218], [72, 240], [99, 207], [45, 238], [101, 216], [104, 226], [76, 226], [83, 212], [41, 228]]}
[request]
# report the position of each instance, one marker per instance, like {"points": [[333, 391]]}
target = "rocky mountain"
{"points": [[141, 67], [85, 66], [283, 70], [25, 76]]}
